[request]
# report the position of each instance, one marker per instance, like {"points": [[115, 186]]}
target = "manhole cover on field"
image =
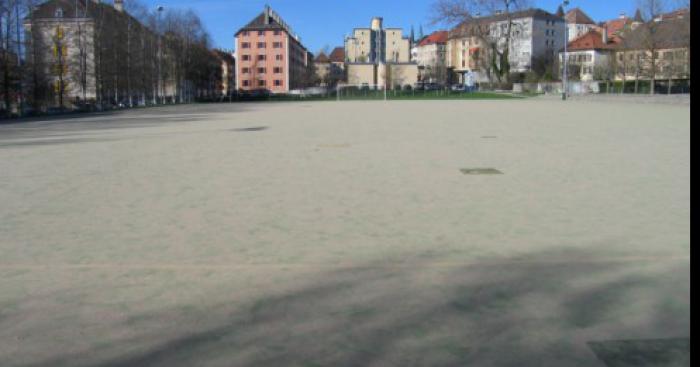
{"points": [[480, 171], [246, 129]]}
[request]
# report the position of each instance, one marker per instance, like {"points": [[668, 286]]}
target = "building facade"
{"points": [[658, 50], [269, 55], [536, 35], [578, 23], [87, 51], [431, 56], [329, 72], [590, 56], [227, 82], [377, 44], [378, 56]]}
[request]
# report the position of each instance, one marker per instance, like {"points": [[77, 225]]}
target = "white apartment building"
{"points": [[535, 33]]}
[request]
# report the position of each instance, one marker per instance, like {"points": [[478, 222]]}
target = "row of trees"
{"points": [[102, 57]]}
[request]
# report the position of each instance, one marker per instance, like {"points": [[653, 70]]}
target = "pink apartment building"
{"points": [[269, 55]]}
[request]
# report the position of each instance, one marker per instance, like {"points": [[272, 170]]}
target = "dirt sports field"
{"points": [[525, 232]]}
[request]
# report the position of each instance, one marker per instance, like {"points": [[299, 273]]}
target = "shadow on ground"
{"points": [[425, 314]]}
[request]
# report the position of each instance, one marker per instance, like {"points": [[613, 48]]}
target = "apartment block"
{"points": [[269, 55]]}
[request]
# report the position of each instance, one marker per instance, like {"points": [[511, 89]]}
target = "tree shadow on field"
{"points": [[491, 314]]}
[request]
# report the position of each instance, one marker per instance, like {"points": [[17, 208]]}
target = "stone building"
{"points": [[378, 56]]}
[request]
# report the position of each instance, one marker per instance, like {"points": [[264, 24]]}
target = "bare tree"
{"points": [[650, 9], [467, 12]]}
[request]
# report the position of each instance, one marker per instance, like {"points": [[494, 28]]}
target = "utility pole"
{"points": [[565, 82]]}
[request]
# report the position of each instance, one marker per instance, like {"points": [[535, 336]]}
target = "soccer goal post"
{"points": [[360, 92]]}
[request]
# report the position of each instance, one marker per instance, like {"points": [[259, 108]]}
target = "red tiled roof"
{"points": [[577, 16], [337, 55], [614, 26], [435, 37], [591, 40]]}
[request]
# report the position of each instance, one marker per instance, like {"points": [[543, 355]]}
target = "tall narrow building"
{"points": [[269, 55], [378, 56]]}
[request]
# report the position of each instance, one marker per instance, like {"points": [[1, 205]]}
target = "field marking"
{"points": [[174, 266]]}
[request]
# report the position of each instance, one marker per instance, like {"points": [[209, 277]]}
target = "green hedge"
{"points": [[660, 86]]}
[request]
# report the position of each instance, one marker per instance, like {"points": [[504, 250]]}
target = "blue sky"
{"points": [[325, 22]]}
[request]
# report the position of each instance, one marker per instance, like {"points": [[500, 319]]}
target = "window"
{"points": [[245, 57], [246, 83], [277, 70], [245, 45], [278, 57], [276, 44], [262, 70], [261, 83], [277, 33], [261, 33], [59, 13], [261, 57], [245, 33], [245, 70], [278, 83], [261, 44]]}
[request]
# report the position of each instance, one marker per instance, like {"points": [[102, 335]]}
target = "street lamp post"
{"points": [[565, 84]]}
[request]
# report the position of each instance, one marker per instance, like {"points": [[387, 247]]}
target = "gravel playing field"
{"points": [[346, 234]]}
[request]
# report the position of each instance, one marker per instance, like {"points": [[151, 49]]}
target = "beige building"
{"points": [[330, 70], [467, 53], [377, 44], [379, 56], [431, 56], [658, 50]]}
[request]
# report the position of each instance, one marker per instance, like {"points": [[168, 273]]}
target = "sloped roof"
{"points": [[72, 9], [536, 13], [435, 37], [676, 14], [337, 55], [615, 26], [477, 26], [577, 16], [591, 40], [674, 33], [258, 24], [322, 58]]}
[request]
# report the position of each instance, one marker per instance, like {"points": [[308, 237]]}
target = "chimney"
{"points": [[267, 14], [119, 5], [604, 34]]}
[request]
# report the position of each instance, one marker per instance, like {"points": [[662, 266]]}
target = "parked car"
{"points": [[459, 88]]}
